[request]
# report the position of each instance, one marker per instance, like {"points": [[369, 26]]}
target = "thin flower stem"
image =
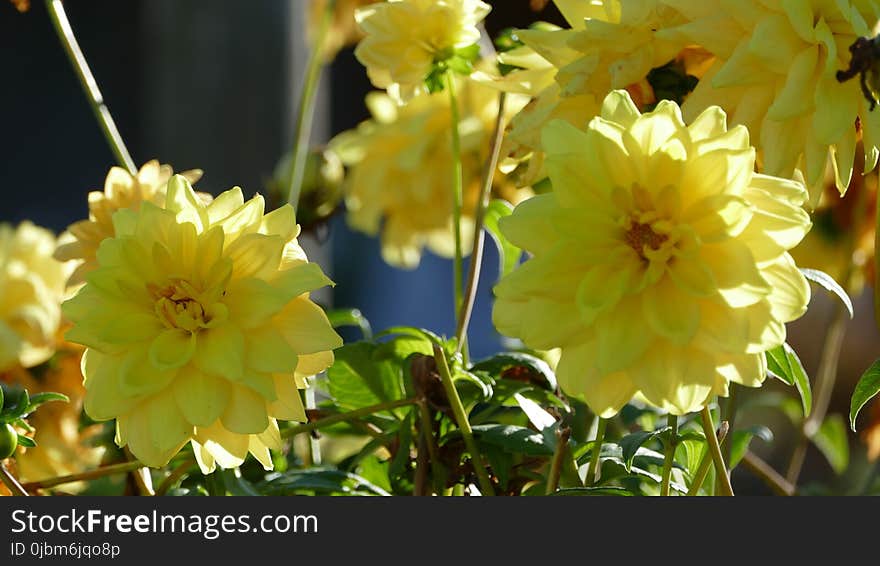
{"points": [[476, 261], [705, 463], [428, 434], [457, 193], [314, 444], [11, 483], [123, 468], [462, 421], [594, 469], [89, 84], [349, 416], [765, 472], [562, 436], [671, 445], [715, 451], [307, 108], [826, 376], [179, 473]]}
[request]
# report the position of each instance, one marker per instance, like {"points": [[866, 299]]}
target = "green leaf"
{"points": [[26, 441], [325, 481], [784, 364], [514, 439], [375, 471], [356, 379], [867, 387], [830, 285], [832, 442], [631, 443], [536, 414], [1, 398], [508, 254], [16, 405], [741, 439], [518, 366], [582, 491], [351, 317], [40, 398]]}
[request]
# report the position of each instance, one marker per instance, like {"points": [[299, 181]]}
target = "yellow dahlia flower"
{"points": [[405, 38], [63, 447], [121, 190], [611, 44], [400, 181], [31, 290], [776, 75], [660, 262], [199, 327]]}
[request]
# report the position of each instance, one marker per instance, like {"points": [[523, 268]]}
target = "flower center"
{"points": [[639, 236], [178, 305]]}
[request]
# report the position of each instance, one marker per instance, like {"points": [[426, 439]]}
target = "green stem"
{"points": [[462, 421], [426, 425], [715, 451], [473, 281], [314, 443], [562, 436], [123, 468], [671, 445], [306, 114], [765, 472], [11, 483], [89, 84], [349, 416], [594, 469], [457, 193], [705, 462], [826, 376]]}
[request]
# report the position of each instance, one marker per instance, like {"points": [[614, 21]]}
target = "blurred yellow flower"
{"points": [[62, 445], [406, 38], [343, 30], [776, 75], [194, 320], [611, 45], [121, 190], [31, 290], [400, 181], [21, 5], [659, 261]]}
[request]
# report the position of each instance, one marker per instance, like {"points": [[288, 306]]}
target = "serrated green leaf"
{"points": [[784, 363], [356, 379], [508, 254], [351, 317], [587, 491], [631, 443], [830, 438], [830, 285], [514, 439], [866, 389]]}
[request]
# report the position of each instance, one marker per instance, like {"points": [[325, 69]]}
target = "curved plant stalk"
{"points": [[594, 469], [476, 261], [457, 193], [671, 445], [349, 416], [307, 108], [768, 475], [705, 462], [462, 421], [123, 468], [179, 473], [11, 483], [562, 436], [89, 84], [715, 451]]}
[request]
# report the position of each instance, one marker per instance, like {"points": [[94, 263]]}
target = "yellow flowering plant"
{"points": [[650, 172]]}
